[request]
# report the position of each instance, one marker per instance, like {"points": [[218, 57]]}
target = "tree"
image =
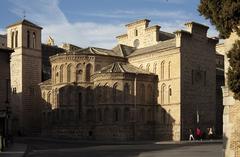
{"points": [[224, 14], [234, 69]]}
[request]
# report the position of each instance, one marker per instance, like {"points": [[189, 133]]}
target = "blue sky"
{"points": [[97, 22]]}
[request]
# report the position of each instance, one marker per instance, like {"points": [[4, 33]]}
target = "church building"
{"points": [[151, 85]]}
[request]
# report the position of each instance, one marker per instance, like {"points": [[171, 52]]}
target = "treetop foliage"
{"points": [[234, 69], [224, 14]]}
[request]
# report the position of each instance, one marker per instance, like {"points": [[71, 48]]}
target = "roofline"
{"points": [[20, 22], [57, 55], [195, 23], [166, 49], [138, 21]]}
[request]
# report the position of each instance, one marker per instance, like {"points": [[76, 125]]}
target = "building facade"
{"points": [[29, 65], [173, 74], [231, 106], [5, 92], [151, 85]]}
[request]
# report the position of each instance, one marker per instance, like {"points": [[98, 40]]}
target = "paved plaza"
{"points": [[134, 150]]}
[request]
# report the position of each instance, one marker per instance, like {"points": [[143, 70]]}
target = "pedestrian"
{"points": [[198, 134], [210, 133], [191, 135]]}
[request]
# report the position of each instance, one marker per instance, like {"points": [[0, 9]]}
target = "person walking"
{"points": [[198, 134], [191, 138], [210, 133]]}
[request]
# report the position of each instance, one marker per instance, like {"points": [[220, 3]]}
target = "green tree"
{"points": [[234, 69], [225, 15]]}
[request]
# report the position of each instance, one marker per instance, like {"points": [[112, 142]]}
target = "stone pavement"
{"points": [[14, 150]]}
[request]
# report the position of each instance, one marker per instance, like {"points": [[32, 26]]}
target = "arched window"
{"points": [[126, 114], [155, 68], [162, 70], [69, 72], [56, 74], [162, 93], [79, 73], [114, 92], [148, 67], [169, 69], [116, 114], [88, 72], [16, 39], [28, 39], [61, 73], [34, 40], [126, 92], [136, 32], [169, 93], [142, 93], [149, 94], [12, 38], [141, 66], [49, 97]]}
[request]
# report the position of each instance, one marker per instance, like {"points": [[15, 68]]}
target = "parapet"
{"points": [[197, 28]]}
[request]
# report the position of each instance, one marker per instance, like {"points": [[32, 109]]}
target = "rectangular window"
{"points": [[192, 76]]}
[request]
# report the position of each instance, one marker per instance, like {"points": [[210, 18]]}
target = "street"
{"points": [[142, 150]]}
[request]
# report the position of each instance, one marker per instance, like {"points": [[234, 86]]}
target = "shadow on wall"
{"points": [[105, 113]]}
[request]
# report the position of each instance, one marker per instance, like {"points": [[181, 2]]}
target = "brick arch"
{"points": [[79, 72], [89, 69]]}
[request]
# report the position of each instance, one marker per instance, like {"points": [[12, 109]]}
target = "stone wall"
{"points": [[231, 108], [198, 79]]}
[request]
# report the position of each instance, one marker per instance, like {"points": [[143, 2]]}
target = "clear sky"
{"points": [[98, 22]]}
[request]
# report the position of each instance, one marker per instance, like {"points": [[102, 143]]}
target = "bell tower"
{"points": [[26, 62]]}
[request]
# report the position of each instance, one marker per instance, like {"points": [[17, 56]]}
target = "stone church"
{"points": [[151, 85]]}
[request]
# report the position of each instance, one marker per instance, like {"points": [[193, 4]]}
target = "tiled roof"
{"points": [[99, 51], [123, 50], [120, 67], [25, 22], [160, 46]]}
